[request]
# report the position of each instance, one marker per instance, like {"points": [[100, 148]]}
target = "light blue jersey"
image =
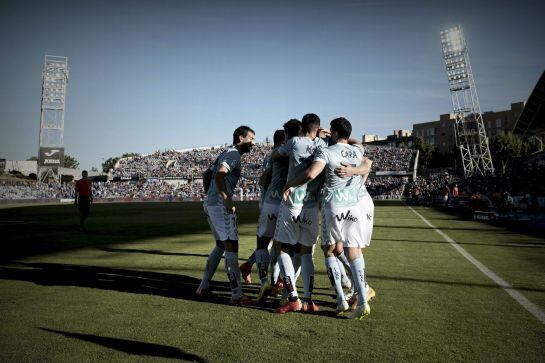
{"points": [[301, 151], [342, 191], [229, 158]]}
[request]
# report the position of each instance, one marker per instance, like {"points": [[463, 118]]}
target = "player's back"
{"points": [[302, 150], [342, 190]]}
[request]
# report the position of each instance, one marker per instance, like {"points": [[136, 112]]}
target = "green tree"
{"points": [[126, 155], [531, 145], [70, 162], [505, 149], [109, 164], [32, 158], [426, 153]]}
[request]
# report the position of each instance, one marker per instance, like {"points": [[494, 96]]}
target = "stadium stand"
{"points": [[176, 175]]}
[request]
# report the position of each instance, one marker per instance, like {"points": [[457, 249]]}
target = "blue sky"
{"points": [[149, 75]]}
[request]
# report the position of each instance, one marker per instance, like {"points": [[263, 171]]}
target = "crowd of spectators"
{"points": [[390, 159], [491, 193], [175, 174], [35, 190], [386, 187], [185, 164]]}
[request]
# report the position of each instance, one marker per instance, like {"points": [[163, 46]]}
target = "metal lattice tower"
{"points": [[51, 153], [470, 132]]}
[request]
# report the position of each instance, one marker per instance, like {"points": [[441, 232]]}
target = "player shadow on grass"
{"points": [[157, 252], [132, 346], [132, 281]]}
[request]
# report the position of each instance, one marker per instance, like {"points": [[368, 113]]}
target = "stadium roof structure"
{"points": [[532, 118]]}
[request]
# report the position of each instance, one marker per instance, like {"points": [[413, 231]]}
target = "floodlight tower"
{"points": [[51, 152], [469, 128]]}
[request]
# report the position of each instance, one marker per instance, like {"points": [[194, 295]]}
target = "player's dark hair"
{"points": [[342, 126], [279, 136], [310, 122], [241, 131], [293, 128]]}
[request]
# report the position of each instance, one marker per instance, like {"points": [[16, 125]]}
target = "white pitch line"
{"points": [[527, 304]]}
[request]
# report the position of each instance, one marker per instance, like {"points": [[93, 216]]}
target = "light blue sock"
{"points": [[211, 266], [343, 266], [275, 268], [286, 268], [233, 274], [332, 268], [262, 258], [357, 267]]}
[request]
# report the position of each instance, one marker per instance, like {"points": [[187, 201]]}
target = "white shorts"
{"points": [[223, 225], [297, 225], [353, 226], [267, 219]]}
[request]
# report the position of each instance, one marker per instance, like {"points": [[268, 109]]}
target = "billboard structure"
{"points": [[51, 148], [470, 132]]}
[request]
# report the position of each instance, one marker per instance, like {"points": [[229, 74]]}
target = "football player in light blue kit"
{"points": [[220, 181], [348, 212], [264, 181], [278, 174], [298, 216]]}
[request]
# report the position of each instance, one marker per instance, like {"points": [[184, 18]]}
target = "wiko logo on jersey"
{"points": [[272, 217], [300, 196], [369, 216], [346, 217], [276, 194], [300, 220], [345, 196], [349, 154], [52, 152]]}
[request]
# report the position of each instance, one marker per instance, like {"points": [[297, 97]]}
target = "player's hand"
{"points": [[345, 170], [286, 194], [229, 206], [324, 132]]}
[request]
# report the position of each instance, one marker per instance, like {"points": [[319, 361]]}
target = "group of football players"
{"points": [[310, 169]]}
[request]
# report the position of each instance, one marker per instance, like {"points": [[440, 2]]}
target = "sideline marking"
{"points": [[521, 299]]}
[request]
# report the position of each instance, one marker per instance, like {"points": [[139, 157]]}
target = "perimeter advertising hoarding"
{"points": [[52, 156]]}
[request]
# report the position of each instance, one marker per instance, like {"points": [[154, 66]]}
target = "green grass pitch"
{"points": [[124, 292]]}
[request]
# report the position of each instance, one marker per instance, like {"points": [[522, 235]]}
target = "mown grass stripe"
{"points": [[527, 304]]}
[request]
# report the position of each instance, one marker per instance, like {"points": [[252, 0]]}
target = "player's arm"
{"points": [[206, 179], [346, 170], [265, 178], [311, 173], [219, 179]]}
